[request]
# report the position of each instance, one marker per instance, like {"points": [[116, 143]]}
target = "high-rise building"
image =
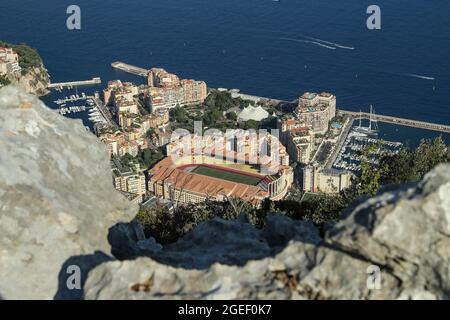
{"points": [[316, 111], [300, 144], [317, 179], [166, 90], [129, 179]]}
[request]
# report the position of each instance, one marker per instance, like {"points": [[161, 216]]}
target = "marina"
{"points": [[358, 139]]}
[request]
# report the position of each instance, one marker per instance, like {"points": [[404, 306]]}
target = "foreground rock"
{"points": [[404, 234], [56, 205]]}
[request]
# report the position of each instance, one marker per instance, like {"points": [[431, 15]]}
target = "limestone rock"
{"points": [[35, 81], [406, 231], [55, 199]]}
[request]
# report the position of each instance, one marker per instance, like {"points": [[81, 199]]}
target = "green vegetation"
{"points": [[146, 158], [179, 114], [28, 57], [223, 101], [167, 227], [226, 175], [127, 160], [4, 81], [213, 113], [412, 165]]}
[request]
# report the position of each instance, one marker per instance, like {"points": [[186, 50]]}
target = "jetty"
{"points": [[130, 68], [399, 121], [72, 98], [71, 84]]}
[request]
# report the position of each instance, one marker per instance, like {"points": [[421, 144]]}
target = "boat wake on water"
{"points": [[418, 76], [318, 42], [309, 41], [337, 45]]}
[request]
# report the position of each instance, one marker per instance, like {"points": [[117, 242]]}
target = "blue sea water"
{"points": [[262, 47]]}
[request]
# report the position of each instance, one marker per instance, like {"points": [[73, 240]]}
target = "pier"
{"points": [[399, 121], [61, 85], [130, 69], [72, 98]]}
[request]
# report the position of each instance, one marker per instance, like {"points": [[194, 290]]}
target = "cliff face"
{"points": [[35, 81], [34, 77], [58, 209]]}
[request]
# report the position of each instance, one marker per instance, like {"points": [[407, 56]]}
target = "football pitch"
{"points": [[226, 175]]}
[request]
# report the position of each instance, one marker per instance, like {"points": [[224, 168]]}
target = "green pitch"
{"points": [[226, 175]]}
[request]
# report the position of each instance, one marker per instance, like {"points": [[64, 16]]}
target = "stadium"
{"points": [[196, 174]]}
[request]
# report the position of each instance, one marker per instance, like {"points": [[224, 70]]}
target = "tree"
{"points": [[428, 155], [396, 169], [179, 114], [412, 165], [369, 181], [148, 157], [232, 116], [4, 81], [212, 116], [127, 159], [250, 124], [28, 57], [160, 223]]}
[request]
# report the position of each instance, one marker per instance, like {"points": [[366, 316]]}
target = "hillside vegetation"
{"points": [[28, 57]]}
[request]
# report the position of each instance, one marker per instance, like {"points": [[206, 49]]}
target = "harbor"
{"points": [[92, 110], [357, 139], [349, 156]]}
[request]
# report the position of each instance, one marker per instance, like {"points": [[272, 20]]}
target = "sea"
{"points": [[276, 49]]}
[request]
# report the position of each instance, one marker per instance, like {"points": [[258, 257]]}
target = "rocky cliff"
{"points": [[34, 77], [35, 80], [58, 209]]}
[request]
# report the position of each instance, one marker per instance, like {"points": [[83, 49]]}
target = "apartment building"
{"points": [[317, 179], [9, 61], [316, 111], [300, 145], [297, 137], [167, 90], [121, 143], [129, 179]]}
